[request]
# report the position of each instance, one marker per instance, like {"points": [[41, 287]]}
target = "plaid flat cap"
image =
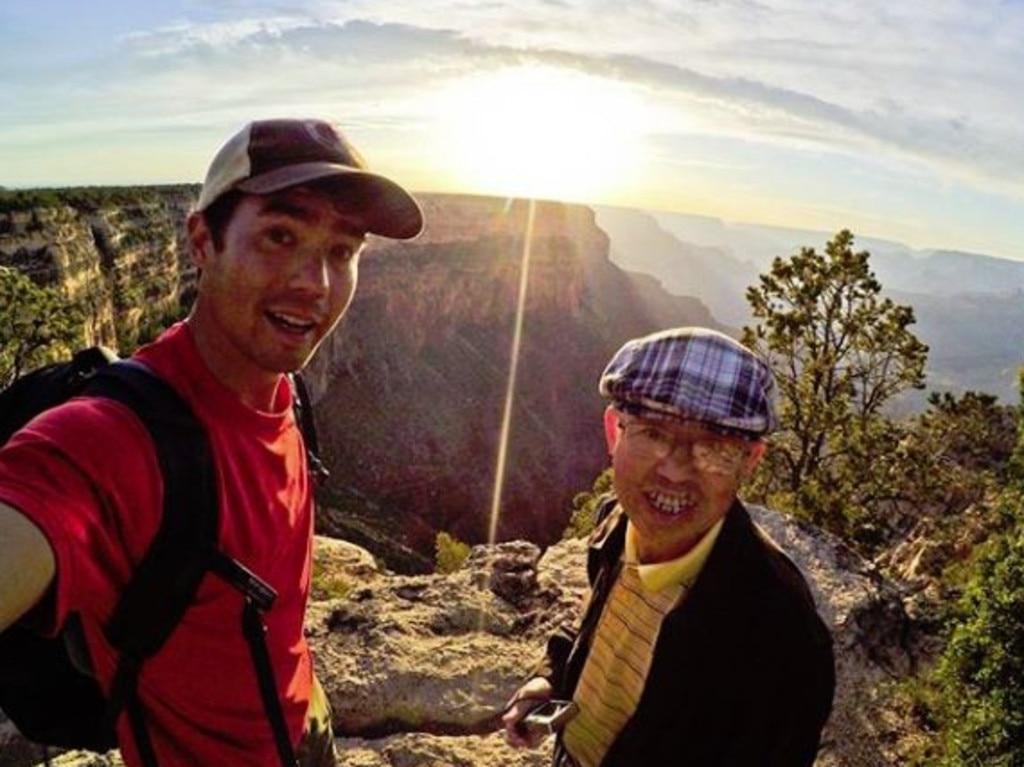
{"points": [[695, 374]]}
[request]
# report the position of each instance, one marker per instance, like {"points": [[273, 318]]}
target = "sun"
{"points": [[542, 132]]}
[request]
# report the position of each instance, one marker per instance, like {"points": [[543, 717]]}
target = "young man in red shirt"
{"points": [[276, 236]]}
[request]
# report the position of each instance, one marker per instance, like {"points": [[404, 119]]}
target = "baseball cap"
{"points": [[694, 374], [268, 156]]}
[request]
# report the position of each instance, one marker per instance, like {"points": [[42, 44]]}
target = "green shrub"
{"points": [[451, 553], [329, 585], [584, 514], [981, 672], [37, 325]]}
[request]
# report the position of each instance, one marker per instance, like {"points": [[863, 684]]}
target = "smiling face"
{"points": [[675, 499], [281, 279]]}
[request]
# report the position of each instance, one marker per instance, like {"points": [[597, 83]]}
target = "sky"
{"points": [[896, 120]]}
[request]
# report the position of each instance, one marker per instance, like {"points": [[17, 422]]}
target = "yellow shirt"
{"points": [[684, 569], [620, 656]]}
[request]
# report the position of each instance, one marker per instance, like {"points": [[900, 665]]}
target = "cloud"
{"points": [[934, 85], [966, 145]]}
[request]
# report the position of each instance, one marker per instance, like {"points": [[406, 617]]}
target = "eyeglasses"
{"points": [[710, 453]]}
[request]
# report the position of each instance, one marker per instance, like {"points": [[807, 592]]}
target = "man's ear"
{"points": [[200, 240], [611, 428], [757, 451]]}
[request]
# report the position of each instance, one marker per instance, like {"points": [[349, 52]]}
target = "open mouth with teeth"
{"points": [[670, 504], [290, 323]]}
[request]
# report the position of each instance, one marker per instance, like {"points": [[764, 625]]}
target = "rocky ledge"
{"points": [[419, 667]]}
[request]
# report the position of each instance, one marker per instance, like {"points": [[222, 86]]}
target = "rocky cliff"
{"points": [[418, 667], [120, 255], [411, 391]]}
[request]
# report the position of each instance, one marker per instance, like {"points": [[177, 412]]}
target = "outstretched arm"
{"points": [[26, 565]]}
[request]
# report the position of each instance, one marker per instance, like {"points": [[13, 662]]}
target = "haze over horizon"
{"points": [[897, 122]]}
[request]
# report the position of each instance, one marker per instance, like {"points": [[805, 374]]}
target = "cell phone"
{"points": [[550, 716]]}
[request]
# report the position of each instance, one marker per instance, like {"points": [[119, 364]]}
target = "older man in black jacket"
{"points": [[700, 644]]}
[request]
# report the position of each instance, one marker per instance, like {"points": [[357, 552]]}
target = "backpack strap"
{"points": [[180, 553], [48, 386], [183, 550], [167, 578], [307, 425], [255, 631]]}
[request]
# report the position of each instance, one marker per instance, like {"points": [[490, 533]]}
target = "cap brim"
{"points": [[385, 208]]}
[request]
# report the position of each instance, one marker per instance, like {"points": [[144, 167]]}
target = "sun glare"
{"points": [[541, 132]]}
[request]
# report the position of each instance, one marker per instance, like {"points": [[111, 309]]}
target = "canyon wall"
{"points": [[411, 390], [121, 256]]}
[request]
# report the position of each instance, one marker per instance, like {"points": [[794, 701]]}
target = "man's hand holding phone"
{"points": [[532, 715], [549, 717]]}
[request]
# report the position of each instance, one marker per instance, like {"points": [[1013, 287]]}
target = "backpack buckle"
{"points": [[237, 575]]}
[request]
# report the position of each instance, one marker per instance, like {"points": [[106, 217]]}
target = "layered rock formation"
{"points": [[411, 391], [419, 667], [122, 258]]}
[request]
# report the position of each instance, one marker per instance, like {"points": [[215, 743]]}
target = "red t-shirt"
{"points": [[87, 474]]}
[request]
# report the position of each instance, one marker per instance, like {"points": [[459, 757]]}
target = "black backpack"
{"points": [[47, 689]]}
